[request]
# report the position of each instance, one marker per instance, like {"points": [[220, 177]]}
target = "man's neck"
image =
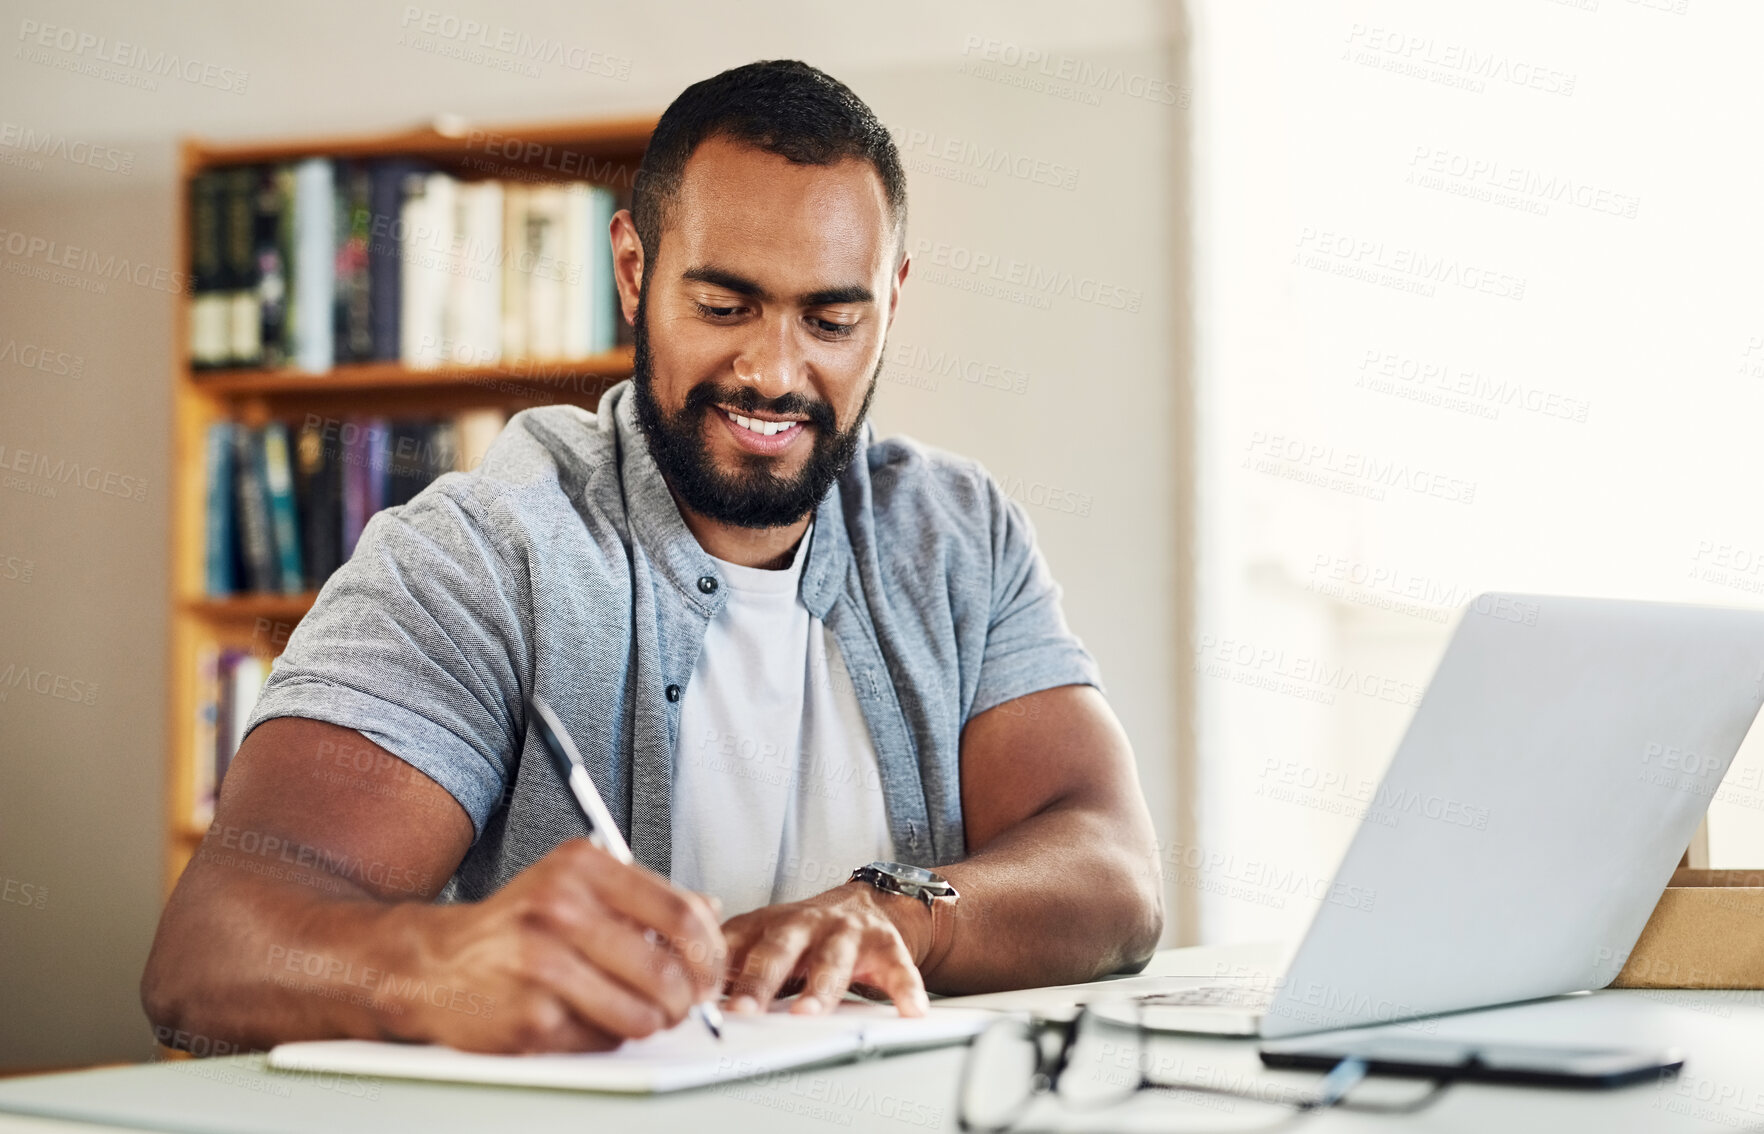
{"points": [[769, 548]]}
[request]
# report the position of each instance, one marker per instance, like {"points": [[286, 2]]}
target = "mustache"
{"points": [[746, 400]]}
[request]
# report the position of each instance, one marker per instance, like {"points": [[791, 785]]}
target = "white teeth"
{"points": [[755, 425]]}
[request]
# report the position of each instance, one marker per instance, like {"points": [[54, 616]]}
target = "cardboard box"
{"points": [[1706, 932]]}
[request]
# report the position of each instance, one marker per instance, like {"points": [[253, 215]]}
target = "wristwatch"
{"points": [[907, 881]]}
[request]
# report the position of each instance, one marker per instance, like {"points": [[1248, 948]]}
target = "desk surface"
{"points": [[1720, 1033]]}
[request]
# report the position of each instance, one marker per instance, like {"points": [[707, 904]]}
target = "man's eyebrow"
{"points": [[828, 296], [741, 285], [729, 281]]}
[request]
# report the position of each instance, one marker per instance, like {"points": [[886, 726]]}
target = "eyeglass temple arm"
{"points": [[1344, 1077]]}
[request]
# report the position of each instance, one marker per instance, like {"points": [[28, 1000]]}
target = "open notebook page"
{"points": [[684, 1056]]}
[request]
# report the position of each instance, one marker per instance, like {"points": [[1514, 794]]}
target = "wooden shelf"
{"points": [[558, 148], [603, 151], [366, 377], [245, 608]]}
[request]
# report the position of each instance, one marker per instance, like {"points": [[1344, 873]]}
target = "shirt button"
{"points": [[673, 692], [708, 584]]}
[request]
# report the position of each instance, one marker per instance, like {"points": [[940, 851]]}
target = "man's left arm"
{"points": [[1060, 884]]}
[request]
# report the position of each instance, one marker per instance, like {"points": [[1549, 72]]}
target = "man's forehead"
{"points": [[740, 203]]}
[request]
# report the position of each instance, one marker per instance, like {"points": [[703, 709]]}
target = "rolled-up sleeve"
{"points": [[420, 642], [1028, 645]]}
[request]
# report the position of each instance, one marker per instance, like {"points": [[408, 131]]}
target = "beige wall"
{"points": [[1096, 429]]}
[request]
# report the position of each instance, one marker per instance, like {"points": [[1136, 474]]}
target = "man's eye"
{"points": [[715, 312], [832, 329]]}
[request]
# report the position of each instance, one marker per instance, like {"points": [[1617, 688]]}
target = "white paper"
{"points": [[684, 1056]]}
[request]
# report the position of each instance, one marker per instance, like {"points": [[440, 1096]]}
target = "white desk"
{"points": [[1721, 1088]]}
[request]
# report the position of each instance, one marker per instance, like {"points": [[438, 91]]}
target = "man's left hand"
{"points": [[823, 945]]}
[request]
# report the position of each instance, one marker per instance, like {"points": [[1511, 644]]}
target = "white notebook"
{"points": [[684, 1056]]}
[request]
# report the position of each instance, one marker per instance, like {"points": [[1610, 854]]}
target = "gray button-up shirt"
{"points": [[562, 566]]}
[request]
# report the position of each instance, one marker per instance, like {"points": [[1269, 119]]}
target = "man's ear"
{"points": [[627, 251], [900, 275]]}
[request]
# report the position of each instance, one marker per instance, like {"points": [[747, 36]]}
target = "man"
{"points": [[784, 648]]}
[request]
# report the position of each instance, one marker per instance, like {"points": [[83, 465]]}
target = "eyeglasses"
{"points": [[1091, 1062]]}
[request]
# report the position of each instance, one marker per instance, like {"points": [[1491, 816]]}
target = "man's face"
{"points": [[759, 333]]}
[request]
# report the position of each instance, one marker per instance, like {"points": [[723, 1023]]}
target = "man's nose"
{"points": [[770, 360]]}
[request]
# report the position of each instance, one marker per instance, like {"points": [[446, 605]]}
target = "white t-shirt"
{"points": [[777, 794]]}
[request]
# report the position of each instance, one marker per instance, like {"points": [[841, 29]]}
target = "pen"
{"points": [[602, 831]]}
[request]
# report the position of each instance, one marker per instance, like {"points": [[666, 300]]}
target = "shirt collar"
{"points": [[656, 522], [779, 582]]}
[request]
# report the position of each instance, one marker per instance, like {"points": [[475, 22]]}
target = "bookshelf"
{"points": [[603, 151]]}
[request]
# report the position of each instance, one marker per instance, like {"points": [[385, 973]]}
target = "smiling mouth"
{"points": [[761, 427]]}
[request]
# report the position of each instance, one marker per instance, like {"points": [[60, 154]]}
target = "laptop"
{"points": [[1552, 776]]}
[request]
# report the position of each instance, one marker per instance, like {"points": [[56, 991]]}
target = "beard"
{"points": [[753, 496]]}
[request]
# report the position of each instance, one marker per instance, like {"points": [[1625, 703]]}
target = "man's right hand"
{"points": [[307, 913], [579, 952]]}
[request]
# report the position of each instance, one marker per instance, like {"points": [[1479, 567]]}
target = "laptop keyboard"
{"points": [[1253, 998]]}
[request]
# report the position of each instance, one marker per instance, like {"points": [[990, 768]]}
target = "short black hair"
{"points": [[781, 106]]}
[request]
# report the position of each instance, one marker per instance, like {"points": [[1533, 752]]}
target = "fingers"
{"points": [[618, 947], [740, 932], [831, 951], [767, 964], [582, 993], [886, 964], [684, 918], [828, 970]]}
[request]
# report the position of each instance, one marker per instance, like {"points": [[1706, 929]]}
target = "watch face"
{"points": [[905, 873], [910, 881]]}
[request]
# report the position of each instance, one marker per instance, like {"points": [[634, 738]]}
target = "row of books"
{"points": [[287, 503], [318, 262], [228, 682]]}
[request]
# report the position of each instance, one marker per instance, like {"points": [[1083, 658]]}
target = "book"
{"points": [[603, 294], [222, 753], [356, 475], [271, 231], [682, 1057], [408, 471], [472, 323], [318, 479], [208, 303], [546, 261], [219, 577], [239, 266], [385, 263], [278, 480], [241, 675], [442, 450], [249, 674], [577, 315], [256, 543], [514, 270], [477, 430], [285, 192], [202, 787], [314, 264], [366, 466], [352, 325], [286, 504], [319, 262], [378, 434], [427, 219]]}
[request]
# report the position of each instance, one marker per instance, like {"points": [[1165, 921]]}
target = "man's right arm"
{"points": [[308, 913]]}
